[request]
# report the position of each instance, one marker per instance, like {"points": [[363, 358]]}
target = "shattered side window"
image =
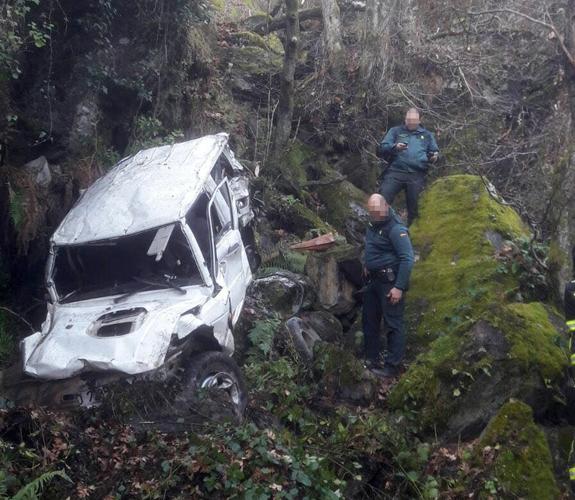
{"points": [[122, 265]]}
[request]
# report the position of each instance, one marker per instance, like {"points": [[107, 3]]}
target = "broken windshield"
{"points": [[124, 265]]}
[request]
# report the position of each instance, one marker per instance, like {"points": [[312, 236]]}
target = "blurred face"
{"points": [[412, 120], [377, 207]]}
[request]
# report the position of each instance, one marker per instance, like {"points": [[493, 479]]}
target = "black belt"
{"points": [[386, 274]]}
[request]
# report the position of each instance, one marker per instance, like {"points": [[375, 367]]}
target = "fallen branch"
{"points": [[278, 24], [267, 26]]}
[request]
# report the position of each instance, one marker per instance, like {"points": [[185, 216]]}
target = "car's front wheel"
{"points": [[215, 374]]}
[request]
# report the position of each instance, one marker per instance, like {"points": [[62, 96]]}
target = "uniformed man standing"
{"points": [[409, 149], [388, 261]]}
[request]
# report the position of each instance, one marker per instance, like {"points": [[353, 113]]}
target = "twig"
{"points": [[466, 83], [296, 130], [549, 26]]}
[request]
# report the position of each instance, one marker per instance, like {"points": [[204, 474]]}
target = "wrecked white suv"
{"points": [[150, 265]]}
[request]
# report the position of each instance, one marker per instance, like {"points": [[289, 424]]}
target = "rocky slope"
{"points": [[486, 362], [480, 408]]}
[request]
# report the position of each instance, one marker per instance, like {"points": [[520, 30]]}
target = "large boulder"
{"points": [[465, 376], [514, 450], [325, 324], [304, 332], [457, 235], [479, 346], [281, 294]]}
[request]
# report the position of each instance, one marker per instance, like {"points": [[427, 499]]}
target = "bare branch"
{"points": [[550, 26]]}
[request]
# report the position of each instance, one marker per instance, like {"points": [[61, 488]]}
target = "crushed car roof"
{"points": [[152, 188]]}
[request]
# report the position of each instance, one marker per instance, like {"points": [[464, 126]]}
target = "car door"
{"points": [[229, 250]]}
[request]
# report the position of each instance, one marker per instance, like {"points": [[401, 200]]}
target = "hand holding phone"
{"points": [[400, 146]]}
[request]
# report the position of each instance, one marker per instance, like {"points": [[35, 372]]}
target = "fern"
{"points": [[285, 261], [262, 336], [33, 489]]}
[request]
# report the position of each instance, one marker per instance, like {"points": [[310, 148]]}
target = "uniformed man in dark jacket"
{"points": [[388, 261], [409, 149]]}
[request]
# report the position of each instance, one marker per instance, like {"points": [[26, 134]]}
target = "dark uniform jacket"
{"points": [[419, 142], [387, 244]]}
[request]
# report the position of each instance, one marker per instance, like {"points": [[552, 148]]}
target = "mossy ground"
{"points": [[522, 466], [455, 284]]}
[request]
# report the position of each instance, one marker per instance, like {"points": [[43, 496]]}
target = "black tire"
{"points": [[302, 336], [214, 370]]}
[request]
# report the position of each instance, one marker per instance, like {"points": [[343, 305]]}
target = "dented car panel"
{"points": [[150, 254], [71, 343], [150, 189]]}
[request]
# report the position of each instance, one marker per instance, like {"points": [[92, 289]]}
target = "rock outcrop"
{"points": [[480, 340], [336, 275], [514, 450]]}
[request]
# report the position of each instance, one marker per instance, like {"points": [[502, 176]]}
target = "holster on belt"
{"points": [[387, 275]]}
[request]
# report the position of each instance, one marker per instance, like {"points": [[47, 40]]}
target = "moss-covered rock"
{"points": [[253, 60], [466, 375], [457, 276], [342, 375], [289, 213], [522, 464], [480, 348], [326, 325], [269, 42], [342, 203]]}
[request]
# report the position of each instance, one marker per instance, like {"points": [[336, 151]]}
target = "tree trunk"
{"points": [[286, 99], [383, 22], [386, 22], [565, 206], [332, 34]]}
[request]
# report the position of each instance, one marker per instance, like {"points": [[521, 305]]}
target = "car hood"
{"points": [[131, 337]]}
